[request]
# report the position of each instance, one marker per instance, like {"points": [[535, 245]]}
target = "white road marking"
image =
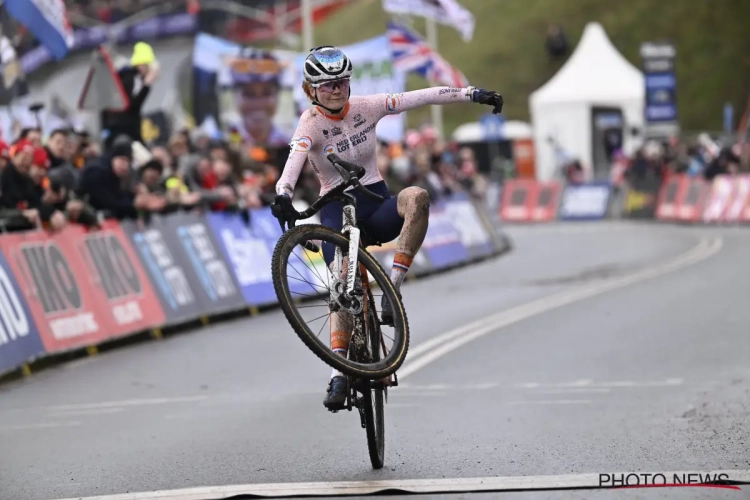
{"points": [[469, 484], [584, 385], [550, 402], [126, 402], [45, 425], [574, 390], [437, 347], [95, 411]]}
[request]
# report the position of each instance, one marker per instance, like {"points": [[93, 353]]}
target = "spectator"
{"points": [[18, 193], [103, 180], [136, 80]]}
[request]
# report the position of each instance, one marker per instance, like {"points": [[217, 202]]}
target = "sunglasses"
{"points": [[329, 87]]}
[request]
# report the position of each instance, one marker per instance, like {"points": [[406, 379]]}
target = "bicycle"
{"points": [[352, 271]]}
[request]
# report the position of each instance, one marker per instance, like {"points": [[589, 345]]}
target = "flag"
{"points": [[410, 52], [448, 12], [47, 20]]}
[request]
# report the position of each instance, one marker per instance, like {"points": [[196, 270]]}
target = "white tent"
{"points": [[596, 78]]}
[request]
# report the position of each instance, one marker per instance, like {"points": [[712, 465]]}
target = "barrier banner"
{"points": [[442, 243], [53, 278], [546, 201], [720, 195], [516, 196], [691, 198], [641, 199], [668, 198], [200, 252], [738, 206], [123, 288], [19, 337], [473, 228], [585, 201], [179, 289]]}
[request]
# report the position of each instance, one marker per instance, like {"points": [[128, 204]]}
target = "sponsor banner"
{"points": [[641, 197], [526, 200], [585, 201], [19, 337], [249, 249], [175, 281], [203, 254], [668, 198], [691, 198], [473, 227], [115, 275], [164, 26], [442, 243], [53, 278], [722, 190], [741, 200]]}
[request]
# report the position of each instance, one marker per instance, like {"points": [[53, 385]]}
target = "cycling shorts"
{"points": [[379, 219]]}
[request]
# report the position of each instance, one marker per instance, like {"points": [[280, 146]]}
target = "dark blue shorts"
{"points": [[380, 220]]}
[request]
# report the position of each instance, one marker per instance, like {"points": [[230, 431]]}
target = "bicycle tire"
{"points": [[374, 415], [312, 232]]}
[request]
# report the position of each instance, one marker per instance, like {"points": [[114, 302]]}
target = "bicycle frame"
{"points": [[349, 229]]}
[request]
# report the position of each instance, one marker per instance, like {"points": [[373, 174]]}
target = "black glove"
{"points": [[283, 209], [489, 97]]}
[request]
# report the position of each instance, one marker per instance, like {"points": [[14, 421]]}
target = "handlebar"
{"points": [[351, 174]]}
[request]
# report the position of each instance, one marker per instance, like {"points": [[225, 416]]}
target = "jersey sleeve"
{"points": [[393, 104], [300, 146]]}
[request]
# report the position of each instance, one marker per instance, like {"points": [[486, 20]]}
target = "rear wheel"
{"points": [[372, 396], [306, 288]]}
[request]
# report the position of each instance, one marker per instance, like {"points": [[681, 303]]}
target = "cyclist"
{"points": [[344, 124]]}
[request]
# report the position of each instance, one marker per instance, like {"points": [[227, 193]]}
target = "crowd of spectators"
{"points": [[695, 156], [69, 179]]}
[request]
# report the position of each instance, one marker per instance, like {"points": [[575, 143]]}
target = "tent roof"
{"points": [[595, 72]]}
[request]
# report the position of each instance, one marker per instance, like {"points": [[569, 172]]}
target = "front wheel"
{"points": [[372, 399], [312, 286]]}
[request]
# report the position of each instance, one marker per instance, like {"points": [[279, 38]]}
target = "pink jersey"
{"points": [[352, 135]]}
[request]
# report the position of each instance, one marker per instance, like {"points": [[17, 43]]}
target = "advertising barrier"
{"points": [[585, 201], [526, 200], [682, 198], [77, 288]]}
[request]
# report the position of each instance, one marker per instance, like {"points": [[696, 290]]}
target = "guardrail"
{"points": [[680, 198], [71, 291]]}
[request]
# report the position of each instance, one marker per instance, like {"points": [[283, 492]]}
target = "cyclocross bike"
{"points": [[348, 288]]}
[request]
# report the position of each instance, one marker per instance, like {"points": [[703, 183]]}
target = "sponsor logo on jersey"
{"points": [[335, 131], [392, 102], [328, 149], [358, 120]]}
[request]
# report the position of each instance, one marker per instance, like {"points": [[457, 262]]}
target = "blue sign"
{"points": [[442, 244], [728, 118], [19, 337], [661, 82], [249, 250], [492, 126], [585, 201], [88, 38]]}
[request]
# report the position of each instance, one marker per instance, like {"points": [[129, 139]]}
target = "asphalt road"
{"points": [[650, 376]]}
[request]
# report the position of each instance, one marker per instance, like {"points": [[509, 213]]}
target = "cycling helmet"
{"points": [[254, 65], [327, 63]]}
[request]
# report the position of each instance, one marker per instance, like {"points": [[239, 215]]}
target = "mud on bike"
{"points": [[348, 287]]}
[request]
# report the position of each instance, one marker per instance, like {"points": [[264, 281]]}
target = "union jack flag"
{"points": [[410, 52]]}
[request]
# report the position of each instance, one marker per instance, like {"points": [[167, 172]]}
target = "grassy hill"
{"points": [[507, 53]]}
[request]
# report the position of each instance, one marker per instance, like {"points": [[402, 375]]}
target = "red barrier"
{"points": [[526, 200], [682, 198], [667, 203], [70, 310], [721, 192], [737, 211], [691, 198]]}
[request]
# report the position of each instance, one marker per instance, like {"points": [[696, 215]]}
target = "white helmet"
{"points": [[327, 63]]}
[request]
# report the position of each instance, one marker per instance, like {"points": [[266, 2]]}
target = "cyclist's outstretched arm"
{"points": [[301, 144], [393, 104]]}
